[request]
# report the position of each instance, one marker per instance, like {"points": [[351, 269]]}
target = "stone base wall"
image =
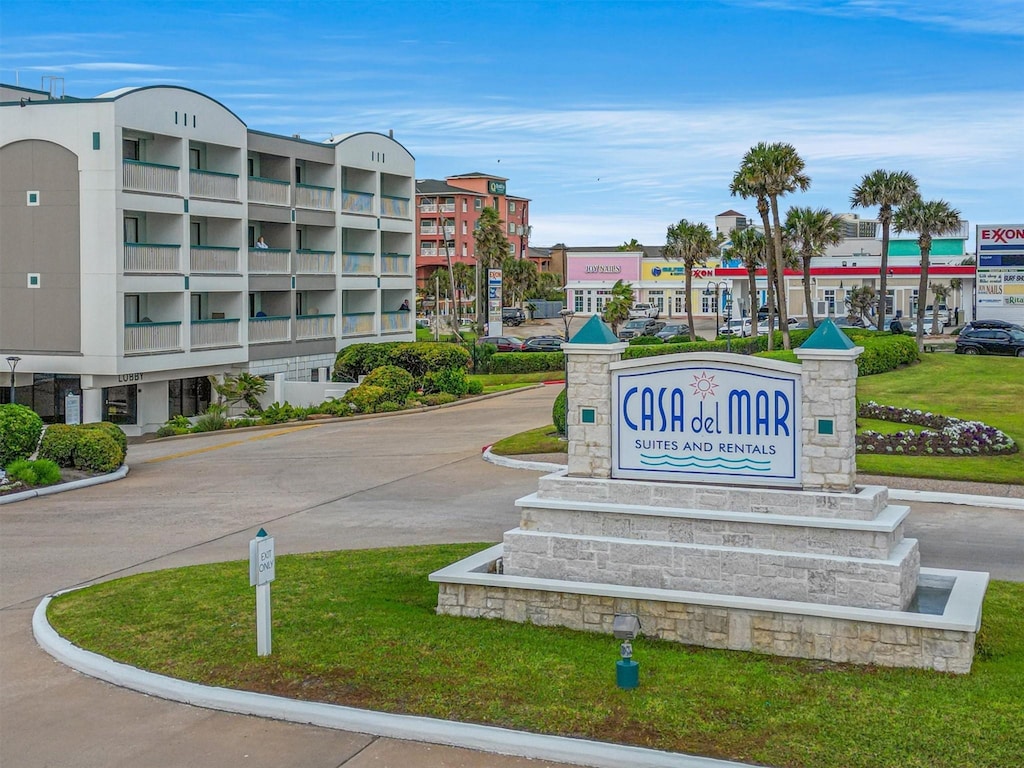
{"points": [[771, 632], [864, 503], [887, 584]]}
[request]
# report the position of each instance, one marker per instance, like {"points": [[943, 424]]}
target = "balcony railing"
{"points": [[314, 327], [266, 330], [356, 263], [428, 251], [395, 322], [152, 259], [395, 207], [207, 334], [312, 196], [145, 338], [149, 177], [310, 262], [269, 261], [269, 191], [428, 207], [213, 184], [394, 264], [428, 229], [213, 260], [447, 208], [357, 324], [356, 202]]}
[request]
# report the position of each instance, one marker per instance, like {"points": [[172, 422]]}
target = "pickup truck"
{"points": [[644, 310]]}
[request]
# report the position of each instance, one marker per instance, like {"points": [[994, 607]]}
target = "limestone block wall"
{"points": [[864, 503], [829, 426], [884, 584], [590, 387], [848, 640]]}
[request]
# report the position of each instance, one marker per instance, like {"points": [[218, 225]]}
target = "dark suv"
{"points": [[512, 316], [990, 341]]}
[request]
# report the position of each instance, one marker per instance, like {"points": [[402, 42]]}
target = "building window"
{"points": [[130, 149], [465, 206], [194, 158], [511, 228], [511, 207], [679, 305], [830, 300], [709, 304], [577, 301], [131, 229], [478, 204]]}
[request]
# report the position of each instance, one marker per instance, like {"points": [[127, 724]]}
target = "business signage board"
{"points": [[496, 187], [707, 420]]}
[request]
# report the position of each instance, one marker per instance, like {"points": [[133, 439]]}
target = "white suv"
{"points": [[644, 310]]}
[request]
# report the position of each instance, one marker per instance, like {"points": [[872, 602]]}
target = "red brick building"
{"points": [[447, 212]]}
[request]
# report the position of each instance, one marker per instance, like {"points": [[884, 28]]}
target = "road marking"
{"points": [[231, 444]]}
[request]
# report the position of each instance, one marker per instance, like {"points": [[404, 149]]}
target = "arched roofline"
{"points": [[345, 137], [122, 92]]}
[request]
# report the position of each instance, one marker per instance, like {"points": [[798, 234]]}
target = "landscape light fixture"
{"points": [[12, 361], [567, 315], [625, 627]]}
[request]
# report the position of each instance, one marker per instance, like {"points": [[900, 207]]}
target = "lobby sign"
{"points": [[710, 421]]}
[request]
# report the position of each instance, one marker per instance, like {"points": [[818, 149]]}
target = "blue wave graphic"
{"points": [[705, 462]]}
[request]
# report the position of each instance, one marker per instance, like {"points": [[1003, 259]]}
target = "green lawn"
{"points": [[359, 628], [500, 382]]}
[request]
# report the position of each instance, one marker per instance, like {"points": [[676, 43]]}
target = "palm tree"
{"points": [[746, 184], [940, 291], [748, 245], [616, 311], [860, 301], [694, 244], [465, 277], [631, 245], [884, 189], [491, 247], [455, 318], [811, 231], [928, 219]]}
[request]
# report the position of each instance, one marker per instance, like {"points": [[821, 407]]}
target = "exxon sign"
{"points": [[710, 420]]}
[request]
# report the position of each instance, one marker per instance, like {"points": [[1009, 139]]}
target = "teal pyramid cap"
{"points": [[594, 332], [827, 336]]}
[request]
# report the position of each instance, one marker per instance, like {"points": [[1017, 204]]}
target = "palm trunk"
{"points": [[688, 304], [922, 294], [807, 291], [883, 281], [762, 208], [752, 280], [780, 270]]}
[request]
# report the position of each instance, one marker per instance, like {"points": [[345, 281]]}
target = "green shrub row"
{"points": [[97, 447], [38, 472], [20, 428], [416, 357], [558, 411], [526, 362]]}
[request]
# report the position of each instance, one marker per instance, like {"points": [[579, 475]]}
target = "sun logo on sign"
{"points": [[704, 385]]}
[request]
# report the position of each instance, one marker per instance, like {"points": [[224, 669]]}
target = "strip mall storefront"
{"points": [[590, 276]]}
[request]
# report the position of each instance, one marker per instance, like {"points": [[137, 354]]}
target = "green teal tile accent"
{"points": [[186, 206], [826, 427], [33, 198], [293, 215], [95, 139], [588, 416], [186, 282], [594, 332], [827, 336]]}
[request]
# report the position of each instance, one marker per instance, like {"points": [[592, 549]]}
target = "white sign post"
{"points": [[261, 573]]}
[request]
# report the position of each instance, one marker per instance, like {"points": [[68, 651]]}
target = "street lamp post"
{"points": [[567, 315], [713, 289], [13, 361]]}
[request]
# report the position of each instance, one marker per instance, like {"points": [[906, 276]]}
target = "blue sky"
{"points": [[615, 118]]}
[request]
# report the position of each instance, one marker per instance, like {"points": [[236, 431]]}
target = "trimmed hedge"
{"points": [[20, 428], [396, 382], [416, 357], [558, 411], [527, 362], [98, 447]]}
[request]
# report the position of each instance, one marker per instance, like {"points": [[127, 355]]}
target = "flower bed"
{"points": [[944, 435]]}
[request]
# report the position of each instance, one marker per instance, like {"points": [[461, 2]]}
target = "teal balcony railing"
{"points": [[213, 260], [209, 334], [395, 207], [353, 201], [152, 259], [269, 261], [145, 338], [137, 176], [267, 330], [312, 196], [314, 327], [357, 263], [269, 191], [395, 322], [213, 184], [357, 324], [311, 262], [395, 264]]}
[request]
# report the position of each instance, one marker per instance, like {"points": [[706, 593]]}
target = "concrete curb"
{"points": [[896, 494], [406, 727], [60, 488]]}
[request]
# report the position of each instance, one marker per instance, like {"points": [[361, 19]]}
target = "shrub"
{"points": [[420, 357], [97, 451], [558, 411], [474, 387], [20, 428], [480, 355], [365, 397], [334, 407], [115, 432], [209, 422], [169, 431], [451, 380], [438, 398], [642, 340], [388, 406], [39, 472], [59, 443], [527, 362], [359, 359], [396, 382]]}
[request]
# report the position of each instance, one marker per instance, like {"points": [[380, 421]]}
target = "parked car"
{"points": [[512, 316], [644, 310], [736, 328], [543, 344], [762, 327], [673, 329], [1004, 324], [639, 327], [990, 341], [503, 343]]}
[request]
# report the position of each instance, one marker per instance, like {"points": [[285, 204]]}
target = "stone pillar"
{"points": [[829, 428], [588, 413]]}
